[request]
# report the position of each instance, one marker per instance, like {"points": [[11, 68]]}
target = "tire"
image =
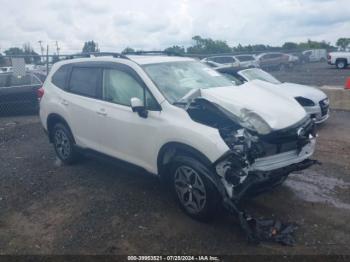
{"points": [[341, 64], [196, 195], [64, 144], [282, 67]]}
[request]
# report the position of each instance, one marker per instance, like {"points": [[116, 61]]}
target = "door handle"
{"points": [[64, 102], [101, 112]]}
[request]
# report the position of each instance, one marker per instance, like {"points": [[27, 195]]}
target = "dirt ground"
{"points": [[314, 74], [97, 207]]}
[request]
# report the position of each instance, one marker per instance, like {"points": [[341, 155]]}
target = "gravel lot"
{"points": [[97, 207], [314, 74]]}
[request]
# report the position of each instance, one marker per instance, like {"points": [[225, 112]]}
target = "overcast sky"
{"points": [[156, 24]]}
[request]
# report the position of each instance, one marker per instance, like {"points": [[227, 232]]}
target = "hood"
{"points": [[309, 92], [276, 110], [294, 90], [340, 53]]}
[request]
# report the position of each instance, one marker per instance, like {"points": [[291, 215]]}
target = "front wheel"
{"points": [[194, 191]]}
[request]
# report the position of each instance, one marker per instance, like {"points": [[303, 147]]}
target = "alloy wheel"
{"points": [[190, 189], [62, 144]]}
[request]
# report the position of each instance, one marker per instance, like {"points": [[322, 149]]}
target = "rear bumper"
{"points": [[19, 95]]}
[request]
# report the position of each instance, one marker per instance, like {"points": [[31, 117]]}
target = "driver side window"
{"points": [[119, 87]]}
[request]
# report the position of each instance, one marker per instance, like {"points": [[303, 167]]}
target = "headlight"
{"points": [[255, 122], [325, 101], [304, 101]]}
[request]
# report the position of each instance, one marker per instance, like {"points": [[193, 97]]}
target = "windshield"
{"points": [[176, 79], [258, 74], [234, 79]]}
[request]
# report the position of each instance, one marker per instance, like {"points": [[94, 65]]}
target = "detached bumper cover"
{"points": [[284, 159]]}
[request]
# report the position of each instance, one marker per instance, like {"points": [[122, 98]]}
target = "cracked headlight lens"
{"points": [[255, 122]]}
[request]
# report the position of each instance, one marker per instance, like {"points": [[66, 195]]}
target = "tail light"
{"points": [[329, 57], [40, 93]]}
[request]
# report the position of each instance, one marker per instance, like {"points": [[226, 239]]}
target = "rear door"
{"points": [[84, 88], [124, 134], [265, 60]]}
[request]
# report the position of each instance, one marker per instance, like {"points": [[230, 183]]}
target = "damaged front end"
{"points": [[254, 157], [259, 159]]}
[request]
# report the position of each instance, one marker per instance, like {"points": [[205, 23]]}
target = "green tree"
{"points": [[343, 43], [290, 46], [128, 50], [176, 50], [315, 45], [90, 47], [14, 51], [208, 46], [31, 55]]}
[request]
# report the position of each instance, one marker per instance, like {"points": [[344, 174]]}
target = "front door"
{"points": [[125, 134]]}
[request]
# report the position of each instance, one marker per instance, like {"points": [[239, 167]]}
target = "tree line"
{"points": [[200, 46]]}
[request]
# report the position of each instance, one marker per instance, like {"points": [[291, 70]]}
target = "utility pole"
{"points": [[41, 49], [47, 60], [58, 50]]}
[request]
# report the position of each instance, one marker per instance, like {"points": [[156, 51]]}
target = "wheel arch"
{"points": [[53, 119], [171, 149], [341, 59]]}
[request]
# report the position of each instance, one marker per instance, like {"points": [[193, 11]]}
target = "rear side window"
{"points": [[224, 60], [84, 81], [60, 76], [245, 58]]}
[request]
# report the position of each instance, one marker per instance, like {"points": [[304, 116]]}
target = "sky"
{"points": [[157, 24]]}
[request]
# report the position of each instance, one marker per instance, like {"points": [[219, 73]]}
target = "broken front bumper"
{"points": [[267, 172], [284, 159], [319, 113]]}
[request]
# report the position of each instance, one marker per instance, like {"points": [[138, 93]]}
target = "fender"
{"points": [[54, 118], [170, 149]]}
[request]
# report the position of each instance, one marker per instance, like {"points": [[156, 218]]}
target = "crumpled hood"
{"points": [[294, 90], [276, 110]]}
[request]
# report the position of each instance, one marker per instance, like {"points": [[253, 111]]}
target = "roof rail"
{"points": [[168, 53], [95, 54]]}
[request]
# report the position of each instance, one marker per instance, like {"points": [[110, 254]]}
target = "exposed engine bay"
{"points": [[255, 163], [248, 146]]}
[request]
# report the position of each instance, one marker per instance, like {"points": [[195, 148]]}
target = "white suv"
{"points": [[178, 119]]}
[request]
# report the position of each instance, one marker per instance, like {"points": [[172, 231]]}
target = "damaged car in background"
{"points": [[214, 143], [313, 100]]}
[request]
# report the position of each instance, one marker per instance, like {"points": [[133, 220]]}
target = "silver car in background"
{"points": [[314, 101], [239, 61]]}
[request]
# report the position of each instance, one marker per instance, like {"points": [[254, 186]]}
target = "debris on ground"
{"points": [[259, 230]]}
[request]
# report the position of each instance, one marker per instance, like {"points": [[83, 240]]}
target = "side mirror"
{"points": [[138, 106]]}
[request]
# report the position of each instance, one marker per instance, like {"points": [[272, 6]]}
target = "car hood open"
{"points": [[276, 110]]}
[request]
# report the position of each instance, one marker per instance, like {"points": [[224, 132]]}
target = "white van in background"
{"points": [[315, 55]]}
